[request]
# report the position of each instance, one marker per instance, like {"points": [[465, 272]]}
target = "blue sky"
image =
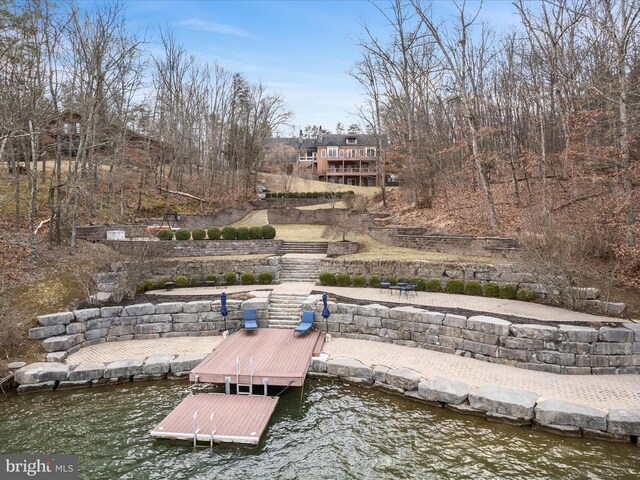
{"points": [[301, 49]]}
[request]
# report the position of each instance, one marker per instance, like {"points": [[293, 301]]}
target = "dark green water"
{"points": [[336, 432]]}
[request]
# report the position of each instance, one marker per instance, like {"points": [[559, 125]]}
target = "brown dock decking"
{"points": [[238, 419], [278, 356]]}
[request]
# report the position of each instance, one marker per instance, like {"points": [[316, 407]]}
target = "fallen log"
{"points": [[178, 192]]}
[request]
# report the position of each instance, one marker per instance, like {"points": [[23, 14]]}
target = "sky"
{"points": [[303, 50]]}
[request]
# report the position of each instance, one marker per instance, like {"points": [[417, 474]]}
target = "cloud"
{"points": [[215, 27]]}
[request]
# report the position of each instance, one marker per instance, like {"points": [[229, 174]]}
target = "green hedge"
{"points": [[248, 279], [508, 292], [454, 286], [181, 281], [229, 233], [359, 281], [162, 282], [327, 278], [195, 280], [214, 233], [420, 284], [343, 280], [491, 290], [165, 234], [374, 281], [268, 232], [242, 233], [199, 233], [473, 287], [265, 278], [183, 234], [230, 278], [434, 285], [255, 233], [526, 295], [212, 277]]}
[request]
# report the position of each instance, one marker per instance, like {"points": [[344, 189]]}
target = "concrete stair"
{"points": [[303, 247], [299, 269], [285, 310]]}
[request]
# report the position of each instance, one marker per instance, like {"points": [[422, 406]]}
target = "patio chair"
{"points": [[385, 285], [250, 322], [305, 323]]}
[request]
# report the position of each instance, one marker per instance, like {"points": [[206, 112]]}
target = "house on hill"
{"points": [[349, 159]]}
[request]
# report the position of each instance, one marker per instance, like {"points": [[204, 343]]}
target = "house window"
{"points": [[352, 153], [65, 128], [362, 152], [324, 153], [78, 127], [371, 152], [341, 153], [351, 141], [332, 152]]}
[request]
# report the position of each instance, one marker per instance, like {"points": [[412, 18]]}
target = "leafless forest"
{"points": [[530, 132]]}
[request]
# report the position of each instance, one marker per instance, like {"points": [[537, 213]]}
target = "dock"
{"points": [[266, 356], [218, 418]]}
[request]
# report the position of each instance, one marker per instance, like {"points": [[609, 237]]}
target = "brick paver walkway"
{"points": [[466, 302], [112, 351], [601, 391]]}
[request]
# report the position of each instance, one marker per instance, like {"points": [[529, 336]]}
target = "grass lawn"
{"points": [[372, 249]]}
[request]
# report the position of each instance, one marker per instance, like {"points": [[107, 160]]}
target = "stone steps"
{"points": [[299, 269], [303, 247], [285, 310]]}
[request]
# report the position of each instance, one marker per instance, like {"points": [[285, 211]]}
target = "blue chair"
{"points": [[385, 285], [409, 287], [306, 323], [250, 322]]}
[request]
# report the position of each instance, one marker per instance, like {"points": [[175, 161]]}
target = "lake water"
{"points": [[335, 431]]}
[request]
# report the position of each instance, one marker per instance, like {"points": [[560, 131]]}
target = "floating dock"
{"points": [[218, 418], [266, 356]]}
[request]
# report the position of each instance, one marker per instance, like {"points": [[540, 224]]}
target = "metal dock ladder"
{"points": [[245, 388]]}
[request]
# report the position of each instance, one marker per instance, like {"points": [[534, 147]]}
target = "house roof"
{"points": [[334, 140]]}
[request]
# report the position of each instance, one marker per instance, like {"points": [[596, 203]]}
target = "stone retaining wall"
{"points": [[422, 239], [566, 349], [509, 405], [199, 248], [65, 333], [97, 233]]}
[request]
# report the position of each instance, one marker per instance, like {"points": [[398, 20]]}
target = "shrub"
{"points": [[359, 281], [165, 234], [214, 233], [473, 287], [420, 284], [242, 233], [268, 232], [255, 232], [508, 291], [526, 295], [433, 285], [199, 233], [454, 285], [230, 278], [183, 234], [343, 280], [181, 281], [162, 282], [229, 233], [212, 277], [390, 280], [327, 278], [374, 281], [195, 280], [144, 285], [491, 289], [265, 278], [248, 279]]}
